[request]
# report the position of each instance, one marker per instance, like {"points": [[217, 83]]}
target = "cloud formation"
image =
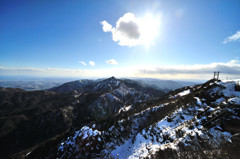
{"points": [[234, 37], [91, 63], [131, 31], [112, 61], [83, 63]]}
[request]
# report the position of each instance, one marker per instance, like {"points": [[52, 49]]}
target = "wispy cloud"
{"points": [[234, 61], [132, 31], [58, 72], [112, 61], [234, 37], [83, 63], [229, 69], [92, 63]]}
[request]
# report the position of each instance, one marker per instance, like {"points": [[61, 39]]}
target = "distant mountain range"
{"points": [[166, 85], [121, 118]]}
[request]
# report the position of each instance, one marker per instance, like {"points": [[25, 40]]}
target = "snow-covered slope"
{"points": [[199, 121]]}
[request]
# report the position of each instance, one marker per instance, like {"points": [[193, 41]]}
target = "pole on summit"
{"points": [[216, 75]]}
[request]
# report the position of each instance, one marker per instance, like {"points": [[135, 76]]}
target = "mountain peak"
{"points": [[112, 79]]}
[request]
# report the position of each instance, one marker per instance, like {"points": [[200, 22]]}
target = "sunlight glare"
{"points": [[149, 28]]}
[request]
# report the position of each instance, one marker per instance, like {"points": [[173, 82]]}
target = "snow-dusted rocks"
{"points": [[83, 142]]}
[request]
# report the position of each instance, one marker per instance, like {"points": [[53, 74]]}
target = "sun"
{"points": [[149, 28]]}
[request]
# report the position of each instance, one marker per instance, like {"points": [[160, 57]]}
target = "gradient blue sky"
{"points": [[45, 36]]}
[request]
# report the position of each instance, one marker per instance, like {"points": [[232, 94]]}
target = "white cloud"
{"points": [[83, 63], [106, 26], [91, 63], [112, 61], [126, 32], [233, 37], [132, 31]]}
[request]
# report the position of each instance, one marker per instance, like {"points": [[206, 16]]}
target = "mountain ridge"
{"points": [[194, 120], [26, 115]]}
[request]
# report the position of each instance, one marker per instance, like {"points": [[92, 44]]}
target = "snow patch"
{"points": [[235, 100], [186, 92], [126, 108]]}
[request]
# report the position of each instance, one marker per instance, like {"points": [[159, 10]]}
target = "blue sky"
{"points": [[186, 39]]}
